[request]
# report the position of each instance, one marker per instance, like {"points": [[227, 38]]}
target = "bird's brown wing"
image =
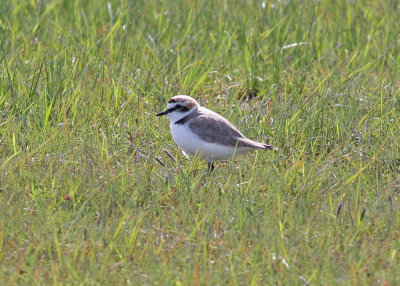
{"points": [[213, 128]]}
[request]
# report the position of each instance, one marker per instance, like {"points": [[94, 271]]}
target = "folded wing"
{"points": [[214, 128]]}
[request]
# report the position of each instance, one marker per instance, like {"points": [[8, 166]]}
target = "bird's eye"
{"points": [[178, 106]]}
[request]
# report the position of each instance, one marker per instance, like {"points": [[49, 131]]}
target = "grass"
{"points": [[88, 196]]}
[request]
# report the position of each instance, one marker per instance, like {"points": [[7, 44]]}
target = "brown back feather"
{"points": [[212, 127]]}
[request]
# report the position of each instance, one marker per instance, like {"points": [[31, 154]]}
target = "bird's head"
{"points": [[179, 106]]}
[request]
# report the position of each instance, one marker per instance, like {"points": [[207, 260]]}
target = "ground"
{"points": [[93, 190]]}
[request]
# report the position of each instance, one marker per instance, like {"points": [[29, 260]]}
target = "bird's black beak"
{"points": [[163, 112]]}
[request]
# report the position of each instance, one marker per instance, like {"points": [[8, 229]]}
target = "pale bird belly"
{"points": [[192, 145]]}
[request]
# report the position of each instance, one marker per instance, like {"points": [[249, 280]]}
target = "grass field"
{"points": [[88, 196]]}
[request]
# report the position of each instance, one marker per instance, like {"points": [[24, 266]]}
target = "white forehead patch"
{"points": [[171, 105]]}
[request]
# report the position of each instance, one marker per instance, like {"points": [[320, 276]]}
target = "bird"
{"points": [[201, 131]]}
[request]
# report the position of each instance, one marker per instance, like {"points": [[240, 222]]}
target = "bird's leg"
{"points": [[210, 166]]}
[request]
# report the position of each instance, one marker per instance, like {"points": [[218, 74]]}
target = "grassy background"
{"points": [[87, 195]]}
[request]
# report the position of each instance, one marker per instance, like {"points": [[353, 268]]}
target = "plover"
{"points": [[198, 130]]}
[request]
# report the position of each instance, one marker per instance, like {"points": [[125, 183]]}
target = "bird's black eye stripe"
{"points": [[180, 107]]}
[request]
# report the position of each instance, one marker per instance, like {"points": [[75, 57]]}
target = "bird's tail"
{"points": [[270, 147]]}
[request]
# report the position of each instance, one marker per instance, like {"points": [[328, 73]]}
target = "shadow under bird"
{"points": [[198, 130]]}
